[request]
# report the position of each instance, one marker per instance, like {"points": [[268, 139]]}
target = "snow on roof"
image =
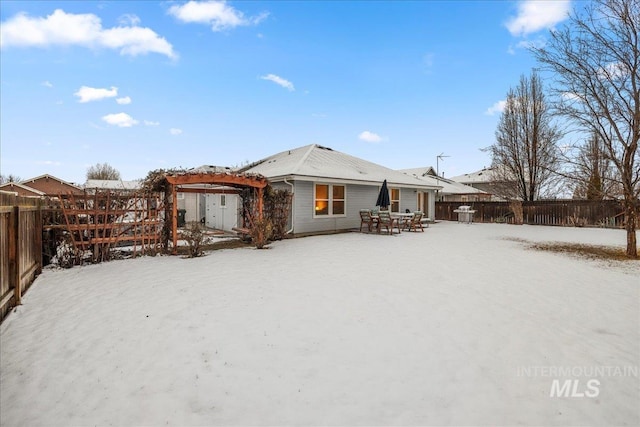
{"points": [[484, 175], [318, 162], [112, 184], [211, 169], [448, 185]]}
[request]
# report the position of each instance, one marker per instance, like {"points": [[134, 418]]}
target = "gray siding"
{"points": [[357, 197]]}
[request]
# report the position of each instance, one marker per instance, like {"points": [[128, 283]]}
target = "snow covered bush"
{"points": [[65, 254], [194, 236]]}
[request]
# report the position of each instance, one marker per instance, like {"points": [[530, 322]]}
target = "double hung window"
{"points": [[329, 200]]}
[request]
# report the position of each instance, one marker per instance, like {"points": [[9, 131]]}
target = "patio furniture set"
{"points": [[377, 220]]}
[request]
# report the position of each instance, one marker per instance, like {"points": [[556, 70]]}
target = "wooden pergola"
{"points": [[236, 180]]}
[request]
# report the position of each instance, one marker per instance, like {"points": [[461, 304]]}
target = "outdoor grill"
{"points": [[465, 214]]}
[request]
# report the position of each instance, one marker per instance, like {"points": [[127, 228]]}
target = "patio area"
{"points": [[462, 324]]}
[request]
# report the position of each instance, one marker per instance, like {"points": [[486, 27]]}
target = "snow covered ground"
{"points": [[460, 325]]}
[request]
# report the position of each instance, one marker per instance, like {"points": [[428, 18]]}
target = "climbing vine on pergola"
{"points": [[236, 180]]}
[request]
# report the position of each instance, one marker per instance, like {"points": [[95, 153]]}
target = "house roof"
{"points": [[315, 162], [112, 184], [11, 186], [485, 175], [448, 185], [47, 176]]}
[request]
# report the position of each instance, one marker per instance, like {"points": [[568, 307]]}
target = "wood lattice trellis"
{"points": [[101, 220]]}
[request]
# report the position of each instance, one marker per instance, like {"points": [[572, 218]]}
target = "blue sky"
{"points": [[146, 85]]}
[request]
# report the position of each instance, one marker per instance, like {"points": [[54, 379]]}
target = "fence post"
{"points": [[39, 228], [14, 255]]}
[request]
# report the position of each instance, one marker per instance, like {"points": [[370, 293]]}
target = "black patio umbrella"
{"points": [[383, 197]]}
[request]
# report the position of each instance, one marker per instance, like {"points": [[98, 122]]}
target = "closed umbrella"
{"points": [[383, 197]]}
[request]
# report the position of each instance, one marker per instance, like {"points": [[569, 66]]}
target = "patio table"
{"points": [[395, 217]]}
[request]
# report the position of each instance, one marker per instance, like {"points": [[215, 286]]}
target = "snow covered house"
{"points": [[329, 187], [112, 184], [451, 191], [491, 181]]}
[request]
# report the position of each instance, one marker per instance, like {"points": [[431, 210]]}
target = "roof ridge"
{"points": [[304, 158]]}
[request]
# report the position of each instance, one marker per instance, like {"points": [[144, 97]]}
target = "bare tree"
{"points": [[592, 171], [9, 178], [525, 152], [102, 171], [596, 63]]}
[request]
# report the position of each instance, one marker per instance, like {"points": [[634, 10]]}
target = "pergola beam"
{"points": [[254, 181], [207, 190]]}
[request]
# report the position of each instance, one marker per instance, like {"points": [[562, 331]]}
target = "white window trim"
{"points": [[180, 196], [223, 197], [330, 201]]}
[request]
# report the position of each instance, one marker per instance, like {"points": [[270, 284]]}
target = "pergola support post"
{"points": [[174, 219]]}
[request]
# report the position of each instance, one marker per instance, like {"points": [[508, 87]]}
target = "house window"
{"points": [[223, 200], [180, 196], [329, 200], [395, 199]]}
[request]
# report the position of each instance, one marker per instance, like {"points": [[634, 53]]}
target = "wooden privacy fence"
{"points": [[588, 213], [20, 247]]}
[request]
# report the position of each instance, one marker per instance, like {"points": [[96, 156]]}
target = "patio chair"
{"points": [[387, 221], [415, 222], [366, 218]]}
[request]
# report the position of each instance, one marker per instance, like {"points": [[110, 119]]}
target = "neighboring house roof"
{"points": [[486, 175], [51, 185], [314, 162], [112, 184], [448, 185], [21, 190]]}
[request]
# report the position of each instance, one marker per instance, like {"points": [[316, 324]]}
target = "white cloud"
{"points": [[88, 94], [47, 83], [122, 120], [124, 100], [539, 43], [175, 131], [279, 81], [69, 29], [369, 136], [150, 123], [48, 163], [498, 107], [215, 13], [571, 96], [536, 15], [129, 20]]}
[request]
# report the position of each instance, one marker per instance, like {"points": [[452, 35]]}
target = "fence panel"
{"points": [[588, 213], [20, 247]]}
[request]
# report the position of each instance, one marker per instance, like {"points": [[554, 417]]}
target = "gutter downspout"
{"points": [[293, 206]]}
